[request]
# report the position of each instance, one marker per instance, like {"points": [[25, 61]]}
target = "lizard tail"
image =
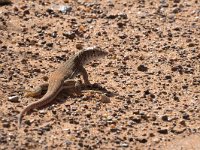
{"points": [[27, 109], [47, 98]]}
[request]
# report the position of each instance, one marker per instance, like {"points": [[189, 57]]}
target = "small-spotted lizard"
{"points": [[59, 78]]}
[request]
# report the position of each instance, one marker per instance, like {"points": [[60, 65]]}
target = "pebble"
{"points": [[49, 44], [178, 130], [176, 10], [156, 140], [186, 116], [163, 131], [165, 118], [13, 98], [111, 16], [177, 1], [28, 122], [42, 111], [142, 104], [182, 122], [141, 139], [1, 70], [68, 142], [124, 145], [105, 99], [122, 36], [54, 34], [6, 124], [65, 9], [113, 129], [69, 35], [79, 45], [142, 68], [136, 119]]}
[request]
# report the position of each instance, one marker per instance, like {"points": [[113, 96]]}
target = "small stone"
{"points": [[13, 98], [191, 45], [111, 16], [45, 78], [177, 1], [176, 10], [156, 140], [36, 70], [141, 140], [178, 130], [65, 9], [113, 129], [42, 111], [79, 46], [122, 36], [168, 77], [68, 142], [136, 119], [105, 99], [121, 24], [163, 131], [50, 11], [26, 12], [141, 14], [47, 127], [54, 34], [69, 35], [124, 145], [1, 70], [6, 124], [183, 123], [49, 44], [73, 108], [186, 116], [28, 122], [40, 132], [142, 68], [123, 15], [165, 118]]}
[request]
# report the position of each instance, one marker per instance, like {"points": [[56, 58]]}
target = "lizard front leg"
{"points": [[84, 73]]}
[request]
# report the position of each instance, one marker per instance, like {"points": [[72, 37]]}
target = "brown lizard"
{"points": [[68, 70]]}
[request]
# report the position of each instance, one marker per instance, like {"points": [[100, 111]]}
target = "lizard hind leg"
{"points": [[72, 86], [78, 87], [37, 91]]}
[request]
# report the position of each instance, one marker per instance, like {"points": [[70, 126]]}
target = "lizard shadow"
{"points": [[95, 88], [72, 93]]}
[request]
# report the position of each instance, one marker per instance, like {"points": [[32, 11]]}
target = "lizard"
{"points": [[66, 71]]}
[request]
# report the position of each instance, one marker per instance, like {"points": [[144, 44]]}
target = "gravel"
{"points": [[151, 74]]}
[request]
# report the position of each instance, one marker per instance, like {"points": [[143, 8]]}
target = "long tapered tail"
{"points": [[47, 98]]}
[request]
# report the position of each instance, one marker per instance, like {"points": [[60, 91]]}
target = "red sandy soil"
{"points": [[152, 71]]}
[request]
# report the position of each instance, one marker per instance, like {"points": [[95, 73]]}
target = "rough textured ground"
{"points": [[153, 71]]}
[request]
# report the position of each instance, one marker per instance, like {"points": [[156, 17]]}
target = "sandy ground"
{"points": [[153, 71]]}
